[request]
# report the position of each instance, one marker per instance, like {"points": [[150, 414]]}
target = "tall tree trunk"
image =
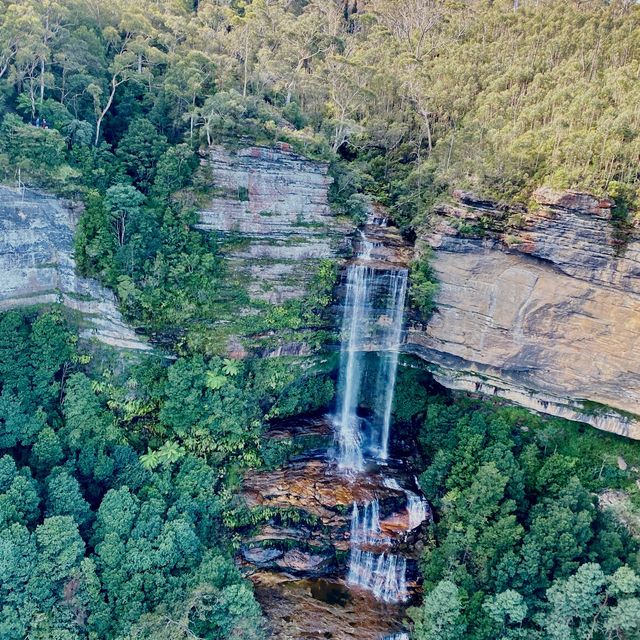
{"points": [[41, 81], [246, 61], [103, 113]]}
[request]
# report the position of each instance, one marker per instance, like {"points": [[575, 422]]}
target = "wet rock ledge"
{"points": [[299, 563]]}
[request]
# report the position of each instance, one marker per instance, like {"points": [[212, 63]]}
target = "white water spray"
{"points": [[349, 437], [388, 365], [384, 574], [372, 322], [365, 524], [417, 508]]}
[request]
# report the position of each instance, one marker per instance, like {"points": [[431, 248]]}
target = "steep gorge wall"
{"points": [[37, 266], [539, 307], [274, 204], [270, 211], [545, 313]]}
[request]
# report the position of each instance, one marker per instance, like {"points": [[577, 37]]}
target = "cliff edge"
{"points": [[540, 306], [37, 266]]}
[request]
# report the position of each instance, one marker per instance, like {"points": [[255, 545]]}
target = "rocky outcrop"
{"points": [[36, 262], [310, 484], [540, 307], [301, 609], [297, 558], [273, 214]]}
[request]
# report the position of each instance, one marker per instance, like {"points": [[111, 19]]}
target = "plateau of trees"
{"points": [[419, 95], [405, 99]]}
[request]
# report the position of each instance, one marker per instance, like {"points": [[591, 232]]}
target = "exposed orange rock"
{"points": [[544, 312]]}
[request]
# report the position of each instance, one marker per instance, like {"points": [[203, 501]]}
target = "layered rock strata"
{"points": [[298, 558], [272, 210], [37, 266], [540, 307], [311, 484]]}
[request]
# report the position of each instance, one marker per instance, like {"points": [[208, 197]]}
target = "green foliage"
{"points": [[96, 540], [122, 203], [36, 353], [174, 170], [346, 191], [38, 154], [309, 310], [167, 454], [412, 394], [429, 96], [212, 412], [440, 618], [64, 497], [424, 285], [94, 242], [140, 150], [590, 604], [516, 527]]}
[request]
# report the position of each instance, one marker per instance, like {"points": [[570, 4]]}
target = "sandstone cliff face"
{"points": [[274, 204], [545, 314], [36, 266]]}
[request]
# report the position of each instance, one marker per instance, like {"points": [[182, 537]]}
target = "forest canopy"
{"points": [[499, 96]]}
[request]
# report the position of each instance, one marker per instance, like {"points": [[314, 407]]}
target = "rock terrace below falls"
{"points": [[299, 566]]}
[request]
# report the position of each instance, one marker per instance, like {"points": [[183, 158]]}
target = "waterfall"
{"points": [[372, 322], [417, 508], [371, 334], [382, 573], [365, 524], [388, 364], [356, 310]]}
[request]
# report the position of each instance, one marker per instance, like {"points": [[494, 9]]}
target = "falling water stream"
{"points": [[380, 572], [372, 324], [371, 335]]}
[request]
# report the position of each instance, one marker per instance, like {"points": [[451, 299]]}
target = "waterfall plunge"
{"points": [[417, 508], [372, 322], [365, 524], [384, 574], [388, 362]]}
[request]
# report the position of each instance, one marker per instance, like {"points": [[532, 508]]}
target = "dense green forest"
{"points": [[117, 517], [117, 479], [419, 95], [520, 549]]}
